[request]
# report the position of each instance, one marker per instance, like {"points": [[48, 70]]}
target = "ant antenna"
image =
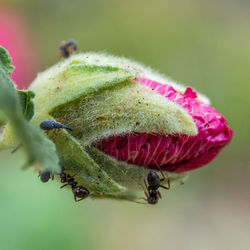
{"points": [[165, 177], [143, 203]]}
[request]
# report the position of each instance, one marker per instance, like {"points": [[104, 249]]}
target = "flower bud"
{"points": [[125, 119]]}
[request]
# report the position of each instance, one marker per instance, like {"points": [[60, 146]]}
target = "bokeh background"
{"points": [[205, 44]]}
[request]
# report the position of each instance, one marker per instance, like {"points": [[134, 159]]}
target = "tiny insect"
{"points": [[78, 191], [50, 124], [67, 48], [152, 185], [45, 176]]}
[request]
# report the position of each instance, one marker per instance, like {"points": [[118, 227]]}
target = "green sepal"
{"points": [[77, 162], [124, 108], [71, 81], [25, 98], [38, 148]]}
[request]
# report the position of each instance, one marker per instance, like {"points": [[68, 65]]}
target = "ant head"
{"points": [[152, 200], [153, 197]]}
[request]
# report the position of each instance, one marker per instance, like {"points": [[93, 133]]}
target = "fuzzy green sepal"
{"points": [[96, 96], [74, 160], [18, 131]]}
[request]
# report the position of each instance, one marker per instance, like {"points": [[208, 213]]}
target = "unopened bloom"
{"points": [[125, 119]]}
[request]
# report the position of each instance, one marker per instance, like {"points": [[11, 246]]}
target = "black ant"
{"points": [[67, 48], [78, 191], [154, 183], [50, 124]]}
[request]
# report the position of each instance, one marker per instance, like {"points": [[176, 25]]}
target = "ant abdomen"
{"points": [[154, 180]]}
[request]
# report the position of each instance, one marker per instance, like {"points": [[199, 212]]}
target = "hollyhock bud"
{"points": [[125, 120]]}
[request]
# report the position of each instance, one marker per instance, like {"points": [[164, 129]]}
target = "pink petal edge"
{"points": [[175, 153]]}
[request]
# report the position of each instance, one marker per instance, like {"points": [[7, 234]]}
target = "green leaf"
{"points": [[25, 98], [5, 61], [39, 149]]}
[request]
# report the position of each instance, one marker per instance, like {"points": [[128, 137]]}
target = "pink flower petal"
{"points": [[175, 153]]}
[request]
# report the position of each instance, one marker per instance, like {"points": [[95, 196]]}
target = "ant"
{"points": [[67, 48], [154, 183], [50, 124], [78, 191]]}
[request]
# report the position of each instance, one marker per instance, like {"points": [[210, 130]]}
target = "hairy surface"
{"points": [[173, 152]]}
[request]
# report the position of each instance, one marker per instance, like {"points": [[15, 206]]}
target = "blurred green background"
{"points": [[205, 44]]}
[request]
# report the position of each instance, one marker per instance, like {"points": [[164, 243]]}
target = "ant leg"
{"points": [[164, 187], [64, 185], [147, 194], [77, 200], [140, 202], [147, 188], [168, 187], [164, 177], [168, 183], [159, 194]]}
